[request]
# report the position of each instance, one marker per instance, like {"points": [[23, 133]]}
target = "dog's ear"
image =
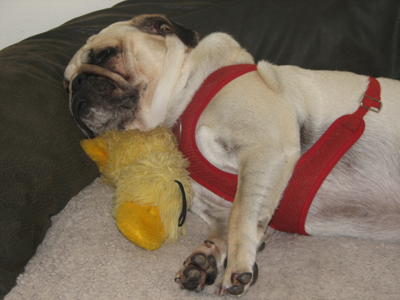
{"points": [[159, 24]]}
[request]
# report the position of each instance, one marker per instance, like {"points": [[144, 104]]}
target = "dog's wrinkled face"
{"points": [[114, 75]]}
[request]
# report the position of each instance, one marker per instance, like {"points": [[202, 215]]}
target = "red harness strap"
{"points": [[315, 165], [310, 171], [201, 170]]}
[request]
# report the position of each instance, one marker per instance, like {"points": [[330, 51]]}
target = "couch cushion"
{"points": [[41, 163]]}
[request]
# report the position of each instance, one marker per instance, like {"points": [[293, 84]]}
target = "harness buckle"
{"points": [[375, 109]]}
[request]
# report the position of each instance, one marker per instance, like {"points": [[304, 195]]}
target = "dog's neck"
{"points": [[213, 52]]}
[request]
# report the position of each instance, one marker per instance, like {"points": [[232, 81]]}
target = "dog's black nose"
{"points": [[78, 80]]}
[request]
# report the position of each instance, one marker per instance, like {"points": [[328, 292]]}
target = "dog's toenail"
{"points": [[262, 247], [255, 273], [187, 262], [233, 277]]}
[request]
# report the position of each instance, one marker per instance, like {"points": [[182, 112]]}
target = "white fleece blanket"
{"points": [[85, 257]]}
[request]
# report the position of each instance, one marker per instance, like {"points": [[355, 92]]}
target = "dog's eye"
{"points": [[104, 55]]}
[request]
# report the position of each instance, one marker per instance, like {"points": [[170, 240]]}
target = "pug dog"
{"points": [[143, 73]]}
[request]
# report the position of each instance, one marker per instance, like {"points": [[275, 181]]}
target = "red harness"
{"points": [[310, 171]]}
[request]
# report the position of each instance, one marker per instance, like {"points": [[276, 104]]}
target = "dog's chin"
{"points": [[92, 128], [98, 120]]}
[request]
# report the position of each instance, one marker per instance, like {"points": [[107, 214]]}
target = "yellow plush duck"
{"points": [[151, 181]]}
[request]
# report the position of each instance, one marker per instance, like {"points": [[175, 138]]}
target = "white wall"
{"points": [[20, 19]]}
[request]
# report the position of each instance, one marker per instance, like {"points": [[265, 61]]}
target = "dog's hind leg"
{"points": [[384, 227]]}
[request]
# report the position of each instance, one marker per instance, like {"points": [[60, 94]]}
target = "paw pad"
{"points": [[199, 270], [236, 290], [240, 281]]}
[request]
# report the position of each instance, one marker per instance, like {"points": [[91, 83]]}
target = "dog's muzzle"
{"points": [[97, 104]]}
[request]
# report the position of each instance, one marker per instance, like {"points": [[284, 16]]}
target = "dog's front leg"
{"points": [[263, 176], [202, 266]]}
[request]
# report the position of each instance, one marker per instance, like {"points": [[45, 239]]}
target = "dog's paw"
{"points": [[199, 269], [237, 283]]}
